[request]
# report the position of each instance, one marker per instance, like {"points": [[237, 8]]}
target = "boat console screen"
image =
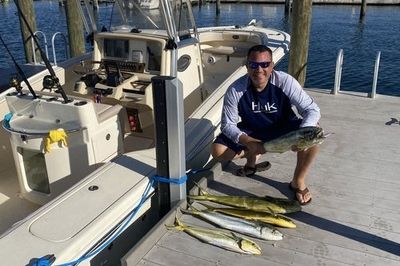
{"points": [[116, 48]]}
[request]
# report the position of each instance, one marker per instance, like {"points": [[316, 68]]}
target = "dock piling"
{"points": [[301, 25], [287, 6], [29, 12], [217, 7], [75, 29], [363, 9]]}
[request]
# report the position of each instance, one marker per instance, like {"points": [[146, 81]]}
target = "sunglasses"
{"points": [[255, 65]]}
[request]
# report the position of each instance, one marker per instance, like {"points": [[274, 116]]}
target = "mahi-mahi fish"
{"points": [[265, 217], [302, 138], [264, 204], [219, 238], [246, 227]]}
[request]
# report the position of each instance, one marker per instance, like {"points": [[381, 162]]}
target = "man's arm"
{"points": [[305, 105], [230, 115]]}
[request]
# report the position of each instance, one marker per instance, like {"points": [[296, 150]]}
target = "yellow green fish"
{"points": [[219, 238]]}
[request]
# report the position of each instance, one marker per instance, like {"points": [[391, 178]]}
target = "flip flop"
{"points": [[301, 192], [250, 171]]}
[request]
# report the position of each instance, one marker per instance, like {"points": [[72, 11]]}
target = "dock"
{"points": [[315, 2], [353, 217]]}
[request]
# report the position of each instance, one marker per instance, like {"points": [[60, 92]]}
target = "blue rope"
{"points": [[152, 183], [177, 181], [199, 170], [7, 119]]}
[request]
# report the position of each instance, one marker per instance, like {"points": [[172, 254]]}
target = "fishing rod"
{"points": [[44, 57], [20, 72]]}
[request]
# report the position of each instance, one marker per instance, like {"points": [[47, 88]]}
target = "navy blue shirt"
{"points": [[247, 111]]}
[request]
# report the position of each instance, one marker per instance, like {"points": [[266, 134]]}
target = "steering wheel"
{"points": [[87, 67]]}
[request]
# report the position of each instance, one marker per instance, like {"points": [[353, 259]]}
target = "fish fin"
{"points": [[274, 199], [189, 210], [209, 207], [271, 211], [170, 227], [327, 135], [185, 211], [235, 237], [202, 191]]}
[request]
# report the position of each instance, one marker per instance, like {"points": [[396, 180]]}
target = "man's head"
{"points": [[259, 65]]}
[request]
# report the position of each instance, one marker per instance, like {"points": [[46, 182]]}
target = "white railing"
{"points": [[376, 69], [33, 45], [52, 46], [338, 74]]}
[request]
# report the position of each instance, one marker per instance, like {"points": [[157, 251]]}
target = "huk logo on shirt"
{"points": [[267, 108]]}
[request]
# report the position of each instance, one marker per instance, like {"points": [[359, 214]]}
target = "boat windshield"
{"points": [[173, 16]]}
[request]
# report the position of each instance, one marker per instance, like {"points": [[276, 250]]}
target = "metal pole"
{"points": [[170, 139], [376, 70], [338, 73]]}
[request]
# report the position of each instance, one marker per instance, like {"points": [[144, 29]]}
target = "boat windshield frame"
{"points": [[172, 17]]}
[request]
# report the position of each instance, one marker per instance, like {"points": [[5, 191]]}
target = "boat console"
{"points": [[121, 74]]}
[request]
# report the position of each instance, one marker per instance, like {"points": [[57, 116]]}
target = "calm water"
{"points": [[333, 28]]}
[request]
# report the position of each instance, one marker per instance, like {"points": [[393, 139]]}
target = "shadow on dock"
{"points": [[310, 219]]}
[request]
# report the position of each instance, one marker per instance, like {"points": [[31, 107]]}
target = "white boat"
{"points": [[149, 4], [70, 200]]}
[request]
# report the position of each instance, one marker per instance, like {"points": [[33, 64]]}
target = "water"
{"points": [[333, 27]]}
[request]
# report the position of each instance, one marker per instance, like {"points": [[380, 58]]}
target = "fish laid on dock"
{"points": [[246, 227], [302, 138], [266, 217], [263, 204], [223, 239]]}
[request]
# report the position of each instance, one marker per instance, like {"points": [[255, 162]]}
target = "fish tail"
{"points": [[202, 191], [177, 226], [193, 208], [190, 210], [199, 197]]}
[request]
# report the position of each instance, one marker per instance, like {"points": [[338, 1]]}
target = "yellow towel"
{"points": [[55, 136]]}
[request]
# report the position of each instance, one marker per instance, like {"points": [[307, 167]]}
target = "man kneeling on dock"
{"points": [[258, 108]]}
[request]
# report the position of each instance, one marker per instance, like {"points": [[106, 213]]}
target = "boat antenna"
{"points": [[20, 72], [46, 61]]}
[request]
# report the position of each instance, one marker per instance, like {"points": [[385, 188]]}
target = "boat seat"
{"points": [[226, 50]]}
